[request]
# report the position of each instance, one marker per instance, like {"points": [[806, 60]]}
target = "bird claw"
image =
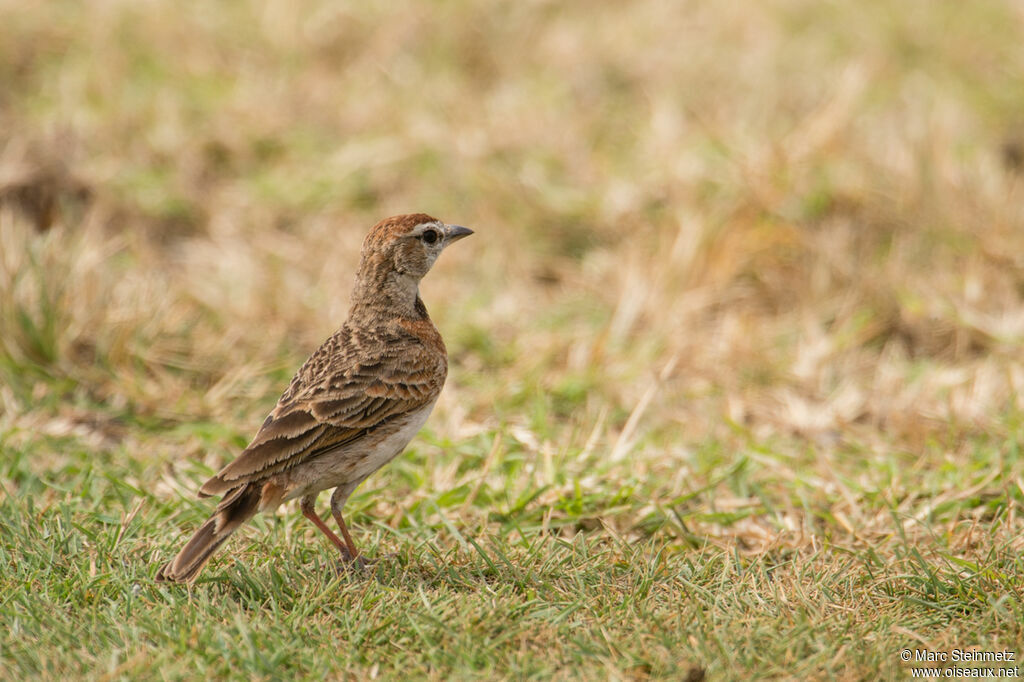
{"points": [[359, 562], [362, 562]]}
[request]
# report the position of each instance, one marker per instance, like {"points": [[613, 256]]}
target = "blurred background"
{"points": [[758, 262]]}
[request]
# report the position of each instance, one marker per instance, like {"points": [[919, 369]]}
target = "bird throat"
{"points": [[380, 294]]}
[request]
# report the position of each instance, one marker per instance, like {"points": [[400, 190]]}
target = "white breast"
{"points": [[392, 445], [350, 464]]}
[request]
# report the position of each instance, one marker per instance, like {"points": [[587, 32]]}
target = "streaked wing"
{"points": [[331, 404]]}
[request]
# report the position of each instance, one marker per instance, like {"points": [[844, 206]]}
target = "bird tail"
{"points": [[237, 507]]}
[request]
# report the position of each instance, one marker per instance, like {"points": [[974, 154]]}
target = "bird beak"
{"points": [[455, 233]]}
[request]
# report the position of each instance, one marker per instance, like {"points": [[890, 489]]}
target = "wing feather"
{"points": [[335, 401]]}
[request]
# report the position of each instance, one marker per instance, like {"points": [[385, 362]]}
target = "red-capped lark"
{"points": [[351, 408]]}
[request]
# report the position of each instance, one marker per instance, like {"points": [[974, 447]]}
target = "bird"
{"points": [[351, 408]]}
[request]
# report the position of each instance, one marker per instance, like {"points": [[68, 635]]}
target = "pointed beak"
{"points": [[456, 232]]}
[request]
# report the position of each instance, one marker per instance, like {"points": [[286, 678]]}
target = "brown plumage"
{"points": [[353, 405]]}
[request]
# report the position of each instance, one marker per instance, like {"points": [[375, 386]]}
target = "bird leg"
{"points": [[306, 505], [337, 502]]}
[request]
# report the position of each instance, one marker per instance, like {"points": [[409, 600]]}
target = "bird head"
{"points": [[410, 244]]}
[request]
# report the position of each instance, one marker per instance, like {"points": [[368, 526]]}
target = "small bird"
{"points": [[354, 404]]}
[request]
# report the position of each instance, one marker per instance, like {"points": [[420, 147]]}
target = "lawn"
{"points": [[736, 385]]}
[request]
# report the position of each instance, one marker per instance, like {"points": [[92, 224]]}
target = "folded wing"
{"points": [[347, 403]]}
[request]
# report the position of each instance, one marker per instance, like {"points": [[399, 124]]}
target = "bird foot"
{"points": [[362, 562], [348, 563]]}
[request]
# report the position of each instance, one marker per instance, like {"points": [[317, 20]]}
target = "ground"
{"points": [[736, 350]]}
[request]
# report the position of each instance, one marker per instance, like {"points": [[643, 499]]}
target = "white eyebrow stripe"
{"points": [[422, 227]]}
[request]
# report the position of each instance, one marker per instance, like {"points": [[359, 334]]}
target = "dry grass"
{"points": [[747, 281]]}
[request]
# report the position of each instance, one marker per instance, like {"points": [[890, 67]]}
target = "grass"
{"points": [[736, 369]]}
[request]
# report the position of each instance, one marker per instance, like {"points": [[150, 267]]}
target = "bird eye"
{"points": [[430, 236]]}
